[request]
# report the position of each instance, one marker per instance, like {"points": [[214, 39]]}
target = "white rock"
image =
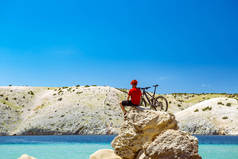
{"points": [[25, 156], [104, 154]]}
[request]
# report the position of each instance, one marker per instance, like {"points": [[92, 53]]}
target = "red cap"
{"points": [[134, 82]]}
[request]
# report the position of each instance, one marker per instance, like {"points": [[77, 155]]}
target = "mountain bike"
{"points": [[156, 103]]}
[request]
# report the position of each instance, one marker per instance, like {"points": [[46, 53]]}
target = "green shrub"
{"points": [[79, 92], [1, 95], [77, 85], [14, 98], [220, 103], [207, 108], [31, 93], [60, 99], [6, 98], [225, 117], [87, 86], [196, 110], [64, 87], [228, 104], [179, 105], [94, 85]]}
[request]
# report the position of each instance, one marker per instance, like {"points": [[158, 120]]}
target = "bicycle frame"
{"points": [[148, 95]]}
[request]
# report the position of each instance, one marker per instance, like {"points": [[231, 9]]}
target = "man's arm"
{"points": [[128, 97]]}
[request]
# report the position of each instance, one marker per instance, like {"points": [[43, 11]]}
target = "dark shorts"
{"points": [[127, 103]]}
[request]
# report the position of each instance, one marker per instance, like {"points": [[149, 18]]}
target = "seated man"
{"points": [[134, 94]]}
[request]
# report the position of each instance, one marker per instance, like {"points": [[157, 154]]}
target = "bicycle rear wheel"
{"points": [[161, 103]]}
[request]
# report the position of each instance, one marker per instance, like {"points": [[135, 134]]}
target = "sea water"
{"points": [[80, 147]]}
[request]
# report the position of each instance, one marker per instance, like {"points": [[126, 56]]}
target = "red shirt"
{"points": [[135, 94]]}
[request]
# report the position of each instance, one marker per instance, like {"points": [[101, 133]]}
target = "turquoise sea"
{"points": [[80, 147]]}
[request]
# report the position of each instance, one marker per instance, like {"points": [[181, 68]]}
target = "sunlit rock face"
{"points": [[141, 132]]}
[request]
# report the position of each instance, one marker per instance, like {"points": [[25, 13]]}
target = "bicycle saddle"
{"points": [[144, 87]]}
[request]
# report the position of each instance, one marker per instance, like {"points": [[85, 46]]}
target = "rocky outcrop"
{"points": [[104, 154], [147, 134], [25, 156], [217, 116], [172, 144]]}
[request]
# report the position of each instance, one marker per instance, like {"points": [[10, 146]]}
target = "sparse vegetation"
{"points": [[225, 117], [207, 108], [228, 104], [179, 105], [122, 90], [31, 93], [196, 110], [60, 99], [39, 107], [220, 103], [79, 92], [86, 86]]}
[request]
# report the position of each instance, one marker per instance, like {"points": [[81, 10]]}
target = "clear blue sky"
{"points": [[185, 46]]}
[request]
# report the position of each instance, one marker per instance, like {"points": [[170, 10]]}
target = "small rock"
{"points": [[104, 154], [25, 156]]}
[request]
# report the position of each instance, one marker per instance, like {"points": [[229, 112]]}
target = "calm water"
{"points": [[80, 147]]}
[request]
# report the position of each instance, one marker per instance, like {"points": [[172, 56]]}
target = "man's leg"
{"points": [[123, 108]]}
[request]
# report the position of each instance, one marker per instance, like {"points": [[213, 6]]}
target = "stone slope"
{"points": [[213, 116], [67, 110]]}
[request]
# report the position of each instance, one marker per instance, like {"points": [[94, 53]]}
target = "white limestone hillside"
{"points": [[95, 110], [66, 110], [213, 116]]}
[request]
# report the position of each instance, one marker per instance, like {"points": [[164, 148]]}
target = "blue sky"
{"points": [[185, 46]]}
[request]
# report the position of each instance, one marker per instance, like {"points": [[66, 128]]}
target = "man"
{"points": [[134, 94]]}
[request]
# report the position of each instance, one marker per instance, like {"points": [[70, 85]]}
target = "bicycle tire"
{"points": [[161, 103], [143, 102]]}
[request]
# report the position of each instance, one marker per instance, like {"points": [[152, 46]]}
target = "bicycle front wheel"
{"points": [[161, 103], [143, 102]]}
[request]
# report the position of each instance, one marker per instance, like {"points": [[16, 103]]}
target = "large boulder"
{"points": [[148, 134], [25, 156], [104, 154], [173, 144]]}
